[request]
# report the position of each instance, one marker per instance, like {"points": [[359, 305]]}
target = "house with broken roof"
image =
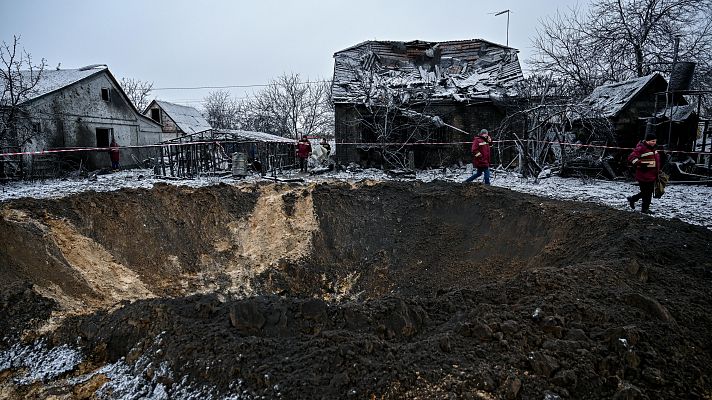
{"points": [[390, 96], [79, 108], [640, 105], [176, 120]]}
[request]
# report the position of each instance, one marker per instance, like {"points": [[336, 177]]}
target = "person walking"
{"points": [[481, 156], [303, 151], [114, 154], [646, 161]]}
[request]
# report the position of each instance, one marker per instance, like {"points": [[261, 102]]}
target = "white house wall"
{"points": [[71, 116]]}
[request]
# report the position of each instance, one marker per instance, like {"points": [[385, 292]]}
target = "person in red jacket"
{"points": [[646, 161], [481, 156], [114, 154], [303, 151]]}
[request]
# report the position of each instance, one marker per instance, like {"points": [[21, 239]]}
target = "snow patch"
{"points": [[41, 364], [689, 203]]}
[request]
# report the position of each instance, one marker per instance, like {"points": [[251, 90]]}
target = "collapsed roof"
{"points": [[455, 70]]}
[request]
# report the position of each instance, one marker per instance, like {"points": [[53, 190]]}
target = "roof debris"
{"points": [[454, 70]]}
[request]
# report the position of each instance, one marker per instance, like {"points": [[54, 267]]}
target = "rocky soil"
{"points": [[374, 290]]}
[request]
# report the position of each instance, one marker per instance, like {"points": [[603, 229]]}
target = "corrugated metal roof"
{"points": [[52, 80], [188, 119], [459, 70]]}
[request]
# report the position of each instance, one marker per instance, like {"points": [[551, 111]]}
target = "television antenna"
{"points": [[507, 12]]}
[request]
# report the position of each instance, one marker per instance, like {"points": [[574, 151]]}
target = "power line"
{"points": [[234, 86]]}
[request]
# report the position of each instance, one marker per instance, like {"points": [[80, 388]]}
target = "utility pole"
{"points": [[500, 13]]}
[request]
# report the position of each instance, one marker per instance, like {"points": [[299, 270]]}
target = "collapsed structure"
{"points": [[219, 150], [384, 93], [648, 104]]}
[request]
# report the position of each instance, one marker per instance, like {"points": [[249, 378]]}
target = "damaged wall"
{"points": [[351, 129]]}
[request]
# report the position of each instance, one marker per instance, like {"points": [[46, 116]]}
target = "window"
{"points": [[156, 114], [105, 94], [37, 127], [102, 137]]}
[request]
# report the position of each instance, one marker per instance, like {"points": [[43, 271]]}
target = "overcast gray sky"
{"points": [[179, 43]]}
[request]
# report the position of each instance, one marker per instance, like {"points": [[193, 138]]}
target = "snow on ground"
{"points": [[39, 362], [690, 203]]}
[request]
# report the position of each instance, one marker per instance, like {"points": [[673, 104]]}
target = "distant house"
{"points": [[639, 105], [176, 120], [84, 107], [388, 91]]}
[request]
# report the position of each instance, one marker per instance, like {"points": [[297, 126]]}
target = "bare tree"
{"points": [[549, 128], [221, 110], [139, 92], [563, 49], [290, 107], [621, 39], [20, 77]]}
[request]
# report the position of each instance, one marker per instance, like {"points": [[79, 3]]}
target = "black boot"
{"points": [[647, 211], [631, 202]]}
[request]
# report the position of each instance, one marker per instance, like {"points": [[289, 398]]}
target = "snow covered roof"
{"points": [[52, 80], [188, 119], [253, 136], [611, 99], [454, 70]]}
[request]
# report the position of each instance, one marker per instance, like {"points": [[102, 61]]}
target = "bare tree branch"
{"points": [[622, 39], [138, 91], [290, 107], [221, 110], [19, 77]]}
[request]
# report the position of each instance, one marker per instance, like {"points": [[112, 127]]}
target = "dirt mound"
{"points": [[392, 290]]}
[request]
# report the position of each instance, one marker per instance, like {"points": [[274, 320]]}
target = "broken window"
{"points": [[105, 94], [156, 114], [102, 137]]}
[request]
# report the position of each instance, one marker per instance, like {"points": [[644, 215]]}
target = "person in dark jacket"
{"points": [[326, 146], [481, 156], [114, 154], [646, 161], [303, 151]]}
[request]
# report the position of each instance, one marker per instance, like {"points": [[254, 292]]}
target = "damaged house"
{"points": [[76, 108], [398, 103], [641, 105]]}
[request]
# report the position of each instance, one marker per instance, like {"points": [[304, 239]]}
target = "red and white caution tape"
{"points": [[365, 144]]}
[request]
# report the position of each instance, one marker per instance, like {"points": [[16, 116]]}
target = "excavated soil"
{"points": [[369, 290]]}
